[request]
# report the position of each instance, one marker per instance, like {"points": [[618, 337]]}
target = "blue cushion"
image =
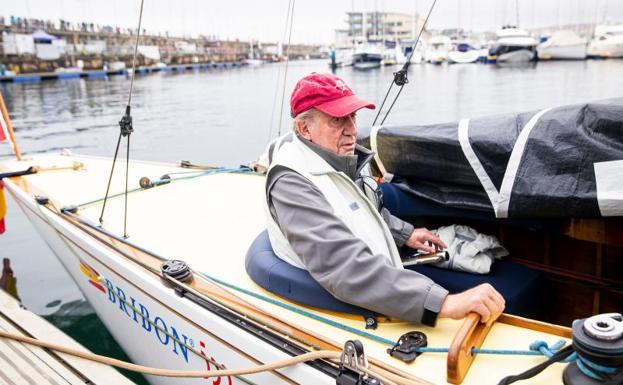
{"points": [[523, 288], [520, 285], [281, 278]]}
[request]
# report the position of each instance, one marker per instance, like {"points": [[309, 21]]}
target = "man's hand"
{"points": [[482, 299], [420, 236]]}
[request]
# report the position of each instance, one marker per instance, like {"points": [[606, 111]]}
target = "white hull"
{"points": [[459, 57], [565, 52], [519, 56], [201, 329], [612, 50]]}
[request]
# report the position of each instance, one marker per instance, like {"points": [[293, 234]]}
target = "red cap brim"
{"points": [[344, 106]]}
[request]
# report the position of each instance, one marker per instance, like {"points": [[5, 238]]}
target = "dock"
{"points": [[96, 74], [26, 364]]}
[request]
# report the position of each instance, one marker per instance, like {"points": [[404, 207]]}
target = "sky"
{"points": [[314, 20]]}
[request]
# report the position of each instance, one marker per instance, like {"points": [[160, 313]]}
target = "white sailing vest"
{"points": [[347, 200]]}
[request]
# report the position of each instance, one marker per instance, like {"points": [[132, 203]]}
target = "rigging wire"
{"points": [[285, 72], [125, 130], [400, 77], [277, 88]]}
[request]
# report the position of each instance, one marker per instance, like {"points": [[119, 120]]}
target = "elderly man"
{"points": [[323, 215]]}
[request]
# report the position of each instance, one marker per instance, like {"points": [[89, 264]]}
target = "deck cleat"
{"points": [[405, 348]]}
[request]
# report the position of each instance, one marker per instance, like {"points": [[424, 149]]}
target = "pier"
{"points": [[27, 364], [110, 50]]}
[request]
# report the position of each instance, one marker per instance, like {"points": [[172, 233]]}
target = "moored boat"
{"points": [[565, 45], [607, 42], [514, 45]]}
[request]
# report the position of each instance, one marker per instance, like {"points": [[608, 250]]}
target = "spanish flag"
{"points": [[2, 208]]}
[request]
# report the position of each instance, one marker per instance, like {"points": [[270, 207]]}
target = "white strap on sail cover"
{"points": [[608, 177], [499, 200], [387, 177], [482, 175]]}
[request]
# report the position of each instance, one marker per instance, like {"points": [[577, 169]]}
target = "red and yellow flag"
{"points": [[2, 207]]}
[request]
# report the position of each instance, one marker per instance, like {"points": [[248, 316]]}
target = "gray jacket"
{"points": [[340, 262]]}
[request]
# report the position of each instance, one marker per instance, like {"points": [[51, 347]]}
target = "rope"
{"points": [[194, 174], [537, 348], [385, 377]]}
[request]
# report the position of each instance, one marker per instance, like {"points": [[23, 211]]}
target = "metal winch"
{"points": [[598, 343]]}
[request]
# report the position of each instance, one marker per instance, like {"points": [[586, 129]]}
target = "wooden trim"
{"points": [[471, 335], [561, 331]]}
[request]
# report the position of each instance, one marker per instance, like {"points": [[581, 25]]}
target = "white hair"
{"points": [[309, 117]]}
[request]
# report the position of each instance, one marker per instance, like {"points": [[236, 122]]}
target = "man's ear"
{"points": [[303, 129]]}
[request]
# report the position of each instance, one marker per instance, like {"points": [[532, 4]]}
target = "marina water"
{"points": [[226, 117]]}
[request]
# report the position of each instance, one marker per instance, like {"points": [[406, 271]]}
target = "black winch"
{"points": [[598, 342], [177, 270]]}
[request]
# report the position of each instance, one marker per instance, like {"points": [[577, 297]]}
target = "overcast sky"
{"points": [[314, 20]]}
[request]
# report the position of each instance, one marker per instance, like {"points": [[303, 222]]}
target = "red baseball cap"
{"points": [[326, 92]]}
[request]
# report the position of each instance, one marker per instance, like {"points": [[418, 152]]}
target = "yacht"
{"points": [[438, 47], [564, 44], [608, 42], [463, 52], [513, 45], [366, 57]]}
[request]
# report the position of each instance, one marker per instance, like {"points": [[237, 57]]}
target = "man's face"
{"points": [[338, 135]]}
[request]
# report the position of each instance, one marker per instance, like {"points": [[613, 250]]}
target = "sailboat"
{"points": [[180, 270]]}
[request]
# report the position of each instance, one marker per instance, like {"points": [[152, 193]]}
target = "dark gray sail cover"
{"points": [[549, 170]]}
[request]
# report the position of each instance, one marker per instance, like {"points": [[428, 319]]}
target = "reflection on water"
{"points": [[226, 117]]}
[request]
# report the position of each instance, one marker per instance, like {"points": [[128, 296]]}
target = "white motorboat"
{"points": [[437, 49], [564, 44], [514, 45], [462, 53], [367, 57], [607, 43]]}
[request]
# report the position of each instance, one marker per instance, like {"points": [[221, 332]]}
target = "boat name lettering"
{"points": [[164, 332]]}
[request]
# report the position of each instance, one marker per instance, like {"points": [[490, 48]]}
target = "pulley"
{"points": [[353, 358], [598, 342]]}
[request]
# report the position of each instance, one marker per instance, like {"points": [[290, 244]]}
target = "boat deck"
{"points": [[26, 364], [210, 222]]}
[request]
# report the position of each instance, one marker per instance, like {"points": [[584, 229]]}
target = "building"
{"points": [[378, 26]]}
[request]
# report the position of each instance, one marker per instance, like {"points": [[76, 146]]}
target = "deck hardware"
{"points": [[146, 183], [42, 200], [177, 269], [371, 321], [69, 209], [405, 348], [353, 357]]}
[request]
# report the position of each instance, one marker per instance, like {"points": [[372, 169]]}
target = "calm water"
{"points": [[226, 117]]}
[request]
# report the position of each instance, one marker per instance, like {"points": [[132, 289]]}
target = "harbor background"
{"points": [[226, 116]]}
